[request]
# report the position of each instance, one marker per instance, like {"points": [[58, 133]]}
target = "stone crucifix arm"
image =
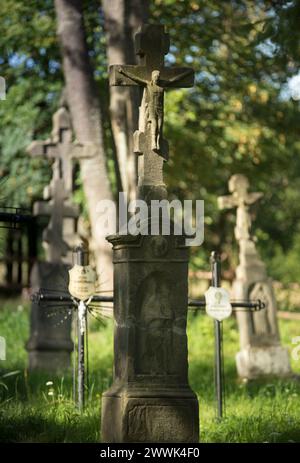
{"points": [[177, 78], [133, 77], [253, 197]]}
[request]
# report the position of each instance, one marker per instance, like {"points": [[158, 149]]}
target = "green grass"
{"points": [[264, 411]]}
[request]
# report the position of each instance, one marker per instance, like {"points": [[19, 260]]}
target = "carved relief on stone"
{"points": [[262, 322], [160, 423], [159, 246], [154, 330]]}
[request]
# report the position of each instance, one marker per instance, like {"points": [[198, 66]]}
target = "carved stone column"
{"points": [[150, 400]]}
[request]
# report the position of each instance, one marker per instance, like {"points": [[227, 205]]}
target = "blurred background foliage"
{"points": [[239, 117]]}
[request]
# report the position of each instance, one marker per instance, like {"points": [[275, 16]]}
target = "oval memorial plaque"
{"points": [[218, 303], [82, 282]]}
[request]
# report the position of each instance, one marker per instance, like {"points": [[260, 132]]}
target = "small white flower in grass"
{"points": [[51, 393], [49, 383]]}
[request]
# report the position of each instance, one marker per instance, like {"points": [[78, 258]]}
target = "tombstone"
{"points": [[261, 352], [50, 342], [150, 399]]}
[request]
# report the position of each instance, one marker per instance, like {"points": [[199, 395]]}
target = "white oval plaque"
{"points": [[218, 303], [82, 282]]}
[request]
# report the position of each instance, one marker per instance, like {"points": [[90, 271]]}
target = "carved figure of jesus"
{"points": [[154, 101]]}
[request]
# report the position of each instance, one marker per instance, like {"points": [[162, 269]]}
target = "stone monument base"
{"points": [[255, 362], [49, 360], [50, 345], [162, 415]]}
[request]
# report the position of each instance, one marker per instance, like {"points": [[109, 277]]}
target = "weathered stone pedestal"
{"points": [[253, 362], [261, 352], [50, 344], [150, 399]]}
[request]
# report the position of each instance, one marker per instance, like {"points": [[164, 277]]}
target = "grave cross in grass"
{"points": [[81, 285], [50, 344], [81, 298], [150, 399], [261, 352], [58, 205], [219, 307]]}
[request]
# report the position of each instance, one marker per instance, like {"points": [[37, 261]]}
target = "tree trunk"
{"points": [[122, 19], [85, 110]]}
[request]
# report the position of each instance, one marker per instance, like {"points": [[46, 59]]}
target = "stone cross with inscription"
{"points": [[151, 45], [261, 353], [150, 399]]}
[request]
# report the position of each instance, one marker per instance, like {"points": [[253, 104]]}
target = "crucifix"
{"points": [[60, 148], [150, 399], [58, 208], [151, 45], [50, 342], [241, 199], [261, 352]]}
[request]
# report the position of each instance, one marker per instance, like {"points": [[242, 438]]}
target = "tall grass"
{"points": [[34, 410]]}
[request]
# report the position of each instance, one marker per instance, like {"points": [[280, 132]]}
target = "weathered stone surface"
{"points": [[50, 332], [261, 351], [150, 400], [50, 344], [151, 44], [161, 419], [254, 362]]}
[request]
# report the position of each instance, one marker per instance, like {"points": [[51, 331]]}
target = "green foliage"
{"points": [[285, 266], [238, 117], [30, 62]]}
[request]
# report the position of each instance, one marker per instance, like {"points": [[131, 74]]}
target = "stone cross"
{"points": [[261, 353], [50, 342], [242, 199], [151, 45], [58, 208], [150, 399], [60, 147], [57, 204]]}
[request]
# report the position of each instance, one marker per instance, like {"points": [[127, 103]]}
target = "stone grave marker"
{"points": [[261, 352], [150, 399], [50, 342]]}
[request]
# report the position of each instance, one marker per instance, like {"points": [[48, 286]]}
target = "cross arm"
{"points": [[253, 197], [127, 75], [36, 148], [46, 208], [226, 202], [42, 148], [85, 150]]}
